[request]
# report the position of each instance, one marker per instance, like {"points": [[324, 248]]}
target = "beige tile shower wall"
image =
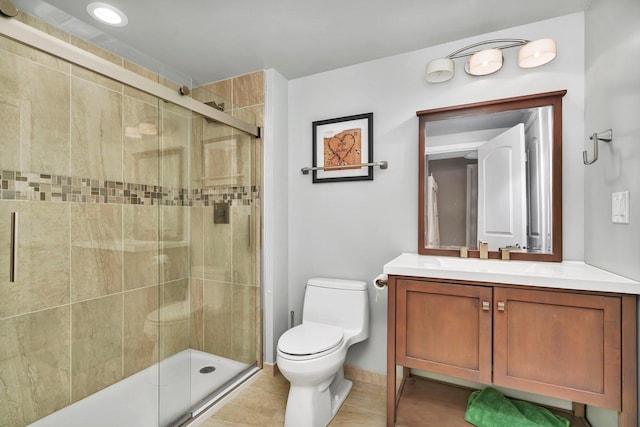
{"points": [[224, 257], [34, 136], [34, 365], [140, 349], [96, 345], [96, 250], [43, 269]]}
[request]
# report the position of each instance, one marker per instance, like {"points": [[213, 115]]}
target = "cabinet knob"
{"points": [[486, 306], [500, 306]]}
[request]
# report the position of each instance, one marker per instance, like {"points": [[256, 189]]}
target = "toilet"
{"points": [[311, 355]]}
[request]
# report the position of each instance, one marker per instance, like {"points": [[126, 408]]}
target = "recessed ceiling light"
{"points": [[107, 14]]}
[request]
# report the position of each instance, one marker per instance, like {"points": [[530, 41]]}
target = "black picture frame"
{"points": [[340, 142]]}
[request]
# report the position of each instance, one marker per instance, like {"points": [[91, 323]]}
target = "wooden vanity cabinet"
{"points": [[571, 345]]}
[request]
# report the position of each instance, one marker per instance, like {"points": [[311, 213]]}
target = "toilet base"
{"points": [[339, 394], [317, 405]]}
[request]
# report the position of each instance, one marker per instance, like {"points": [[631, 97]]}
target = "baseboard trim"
{"points": [[270, 369], [362, 375]]}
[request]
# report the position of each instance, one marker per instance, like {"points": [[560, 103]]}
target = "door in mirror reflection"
{"points": [[502, 196]]}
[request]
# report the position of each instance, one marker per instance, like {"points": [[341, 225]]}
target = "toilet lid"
{"points": [[310, 338]]}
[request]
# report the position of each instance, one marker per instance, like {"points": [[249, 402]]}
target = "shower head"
{"points": [[8, 9], [215, 105]]}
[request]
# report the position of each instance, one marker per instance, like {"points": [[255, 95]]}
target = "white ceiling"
{"points": [[210, 40]]}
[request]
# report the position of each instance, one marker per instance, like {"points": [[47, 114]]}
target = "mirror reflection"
{"points": [[491, 172], [488, 179]]}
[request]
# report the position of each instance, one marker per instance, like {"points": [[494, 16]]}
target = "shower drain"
{"points": [[207, 369]]}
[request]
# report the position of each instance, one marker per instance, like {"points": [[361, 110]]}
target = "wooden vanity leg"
{"points": [[628, 417], [391, 352]]}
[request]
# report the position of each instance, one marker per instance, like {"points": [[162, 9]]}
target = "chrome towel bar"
{"points": [[383, 165]]}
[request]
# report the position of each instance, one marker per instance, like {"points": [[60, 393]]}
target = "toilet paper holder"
{"points": [[381, 282]]}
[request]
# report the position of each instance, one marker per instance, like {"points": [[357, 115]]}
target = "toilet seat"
{"points": [[310, 340]]}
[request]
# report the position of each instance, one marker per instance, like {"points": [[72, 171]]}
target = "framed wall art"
{"points": [[341, 146]]}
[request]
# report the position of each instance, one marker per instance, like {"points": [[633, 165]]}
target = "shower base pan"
{"points": [[160, 395]]}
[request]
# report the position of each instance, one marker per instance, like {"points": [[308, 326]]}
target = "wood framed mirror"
{"points": [[492, 172]]}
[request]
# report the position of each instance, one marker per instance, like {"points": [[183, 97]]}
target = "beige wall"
{"points": [[108, 229]]}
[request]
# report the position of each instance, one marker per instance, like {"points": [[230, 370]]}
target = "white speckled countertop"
{"points": [[574, 275]]}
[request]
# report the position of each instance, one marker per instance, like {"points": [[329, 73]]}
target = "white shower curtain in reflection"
{"points": [[433, 229]]}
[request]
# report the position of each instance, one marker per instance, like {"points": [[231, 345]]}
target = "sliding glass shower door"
{"points": [[208, 257], [129, 247]]}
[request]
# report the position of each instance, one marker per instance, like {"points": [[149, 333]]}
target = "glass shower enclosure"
{"points": [[129, 242]]}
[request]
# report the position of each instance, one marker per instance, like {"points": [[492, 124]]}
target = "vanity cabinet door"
{"points": [[444, 328], [559, 344]]}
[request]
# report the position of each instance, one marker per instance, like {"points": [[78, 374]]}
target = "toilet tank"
{"points": [[338, 302]]}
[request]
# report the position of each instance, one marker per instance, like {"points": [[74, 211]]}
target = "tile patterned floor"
{"points": [[263, 404]]}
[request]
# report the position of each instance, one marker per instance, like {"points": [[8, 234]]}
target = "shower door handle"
{"points": [[249, 232], [13, 257]]}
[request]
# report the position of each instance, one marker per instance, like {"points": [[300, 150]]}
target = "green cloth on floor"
{"points": [[489, 408]]}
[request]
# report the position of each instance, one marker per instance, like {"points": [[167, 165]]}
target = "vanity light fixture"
{"points": [[107, 14], [488, 61]]}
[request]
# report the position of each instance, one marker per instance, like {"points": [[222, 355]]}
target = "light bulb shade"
{"points": [[440, 70], [484, 62], [536, 53]]}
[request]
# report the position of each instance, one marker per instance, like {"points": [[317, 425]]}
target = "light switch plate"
{"points": [[620, 207]]}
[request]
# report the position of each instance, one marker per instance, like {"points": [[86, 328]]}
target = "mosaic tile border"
{"points": [[30, 186]]}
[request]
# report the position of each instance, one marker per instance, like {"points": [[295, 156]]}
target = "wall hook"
{"points": [[606, 136]]}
